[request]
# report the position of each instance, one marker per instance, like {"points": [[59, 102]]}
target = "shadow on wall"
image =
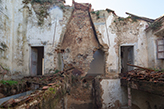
{"points": [[145, 100], [97, 65]]}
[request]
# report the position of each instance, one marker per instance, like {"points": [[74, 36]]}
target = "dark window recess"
{"points": [[160, 48]]}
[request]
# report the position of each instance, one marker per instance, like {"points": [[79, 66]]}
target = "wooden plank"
{"points": [[139, 67]]}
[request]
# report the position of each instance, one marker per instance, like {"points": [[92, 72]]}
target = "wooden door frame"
{"points": [[134, 54], [32, 46]]}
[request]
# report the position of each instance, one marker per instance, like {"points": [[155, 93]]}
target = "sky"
{"points": [[145, 8]]}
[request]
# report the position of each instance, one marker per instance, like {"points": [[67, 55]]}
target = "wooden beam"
{"points": [[139, 67]]}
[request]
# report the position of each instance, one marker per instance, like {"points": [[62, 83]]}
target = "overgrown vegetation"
{"points": [[157, 70], [62, 6], [156, 25], [41, 1], [56, 71], [42, 11], [134, 19], [97, 13], [52, 90], [10, 82], [37, 1], [108, 10], [4, 45], [93, 12], [121, 19], [42, 14]]}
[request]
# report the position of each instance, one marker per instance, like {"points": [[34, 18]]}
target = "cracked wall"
{"points": [[6, 16], [29, 25], [121, 32], [152, 37], [79, 42]]}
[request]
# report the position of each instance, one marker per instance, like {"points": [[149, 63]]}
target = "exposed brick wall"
{"points": [[79, 42]]}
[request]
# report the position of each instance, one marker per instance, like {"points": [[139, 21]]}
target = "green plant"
{"points": [[56, 71], [10, 82], [134, 19], [157, 70], [98, 17], [62, 6], [97, 13], [41, 1], [52, 89], [156, 25], [93, 12], [128, 17], [121, 19]]}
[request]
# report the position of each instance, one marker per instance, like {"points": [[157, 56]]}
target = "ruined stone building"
{"points": [[38, 37]]}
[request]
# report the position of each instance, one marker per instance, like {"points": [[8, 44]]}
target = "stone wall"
{"points": [[79, 42]]}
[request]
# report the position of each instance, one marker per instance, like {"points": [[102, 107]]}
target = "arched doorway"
{"points": [[97, 66]]}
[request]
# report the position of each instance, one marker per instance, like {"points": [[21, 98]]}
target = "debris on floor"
{"points": [[144, 74]]}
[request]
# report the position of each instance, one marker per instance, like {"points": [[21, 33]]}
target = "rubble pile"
{"points": [[145, 75], [50, 84], [27, 83], [51, 88]]}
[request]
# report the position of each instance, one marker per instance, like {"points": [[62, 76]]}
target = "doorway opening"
{"points": [[97, 66], [37, 61], [127, 56]]}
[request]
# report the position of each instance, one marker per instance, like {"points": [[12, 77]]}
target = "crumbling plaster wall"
{"points": [[6, 23], [23, 31], [113, 95], [121, 32], [153, 61], [79, 42], [108, 93], [44, 35]]}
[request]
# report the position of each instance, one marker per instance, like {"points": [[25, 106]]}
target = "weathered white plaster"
{"points": [[20, 31], [112, 93], [131, 33], [6, 17], [153, 61]]}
